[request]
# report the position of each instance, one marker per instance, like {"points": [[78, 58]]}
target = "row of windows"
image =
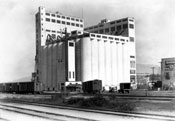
{"points": [[63, 22], [64, 17], [105, 37], [113, 28]]}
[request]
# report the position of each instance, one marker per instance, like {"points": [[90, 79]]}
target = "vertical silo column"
{"points": [[86, 59], [126, 63], [94, 58], [113, 63], [54, 65], [101, 61], [107, 62], [49, 65], [120, 63], [44, 70]]}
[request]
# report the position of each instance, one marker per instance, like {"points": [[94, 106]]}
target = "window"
{"points": [[72, 19], [77, 19], [119, 27], [132, 72], [81, 25], [53, 20], [73, 75], [101, 31], [81, 20], [47, 19], [58, 16], [47, 30], [71, 44], [73, 24], [113, 22], [68, 18], [92, 35], [77, 25], [104, 37], [124, 19], [125, 26], [63, 22], [131, 20], [131, 26], [113, 28], [101, 25], [122, 40], [47, 14], [58, 21], [98, 36], [69, 74], [111, 38], [132, 64], [53, 15], [95, 31], [118, 21], [131, 39], [132, 56], [63, 17], [167, 75], [53, 31], [68, 23], [95, 26], [107, 30], [116, 38]]}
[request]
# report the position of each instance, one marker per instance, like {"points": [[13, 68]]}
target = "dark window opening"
{"points": [[131, 26], [48, 14], [53, 15], [131, 39], [77, 25], [107, 30], [101, 31], [63, 22], [119, 27], [71, 44], [58, 21], [47, 19], [112, 28], [53, 20], [125, 26], [73, 24], [68, 23]]}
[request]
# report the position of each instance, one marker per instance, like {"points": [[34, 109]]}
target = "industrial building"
{"points": [[68, 55], [123, 27], [168, 73]]}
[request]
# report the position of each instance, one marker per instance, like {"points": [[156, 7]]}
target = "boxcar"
{"points": [[92, 86]]}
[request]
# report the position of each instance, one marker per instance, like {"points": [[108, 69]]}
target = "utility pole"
{"points": [[153, 73]]}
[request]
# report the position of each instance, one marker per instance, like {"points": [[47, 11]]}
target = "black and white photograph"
{"points": [[87, 60]]}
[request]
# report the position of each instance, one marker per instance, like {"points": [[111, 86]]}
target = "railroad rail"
{"points": [[118, 113]]}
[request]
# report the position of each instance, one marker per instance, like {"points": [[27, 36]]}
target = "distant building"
{"points": [[168, 73], [123, 27], [66, 55]]}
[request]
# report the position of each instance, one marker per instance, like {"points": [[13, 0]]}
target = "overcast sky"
{"points": [[155, 28]]}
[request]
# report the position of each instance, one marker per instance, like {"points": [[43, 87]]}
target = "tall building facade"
{"points": [[66, 54], [168, 73], [123, 27], [51, 28]]}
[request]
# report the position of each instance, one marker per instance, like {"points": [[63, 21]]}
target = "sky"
{"points": [[155, 28]]}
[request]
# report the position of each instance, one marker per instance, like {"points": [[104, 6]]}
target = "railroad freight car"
{"points": [[125, 87], [92, 86], [17, 87]]}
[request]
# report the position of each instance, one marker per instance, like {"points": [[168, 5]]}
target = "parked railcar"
{"points": [[125, 87], [92, 86], [17, 87]]}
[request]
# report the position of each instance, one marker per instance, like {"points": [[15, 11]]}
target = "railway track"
{"points": [[61, 116]]}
